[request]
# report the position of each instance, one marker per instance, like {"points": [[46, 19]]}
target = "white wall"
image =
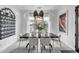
{"points": [[54, 27], [4, 43], [23, 21], [68, 39]]}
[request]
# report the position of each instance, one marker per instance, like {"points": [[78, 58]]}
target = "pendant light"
{"points": [[38, 16]]}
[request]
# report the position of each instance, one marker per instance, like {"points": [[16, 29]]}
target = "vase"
{"points": [[39, 34]]}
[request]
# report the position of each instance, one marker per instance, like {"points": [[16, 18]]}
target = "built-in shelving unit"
{"points": [[7, 23]]}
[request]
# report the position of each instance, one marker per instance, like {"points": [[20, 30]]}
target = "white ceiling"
{"points": [[38, 7]]}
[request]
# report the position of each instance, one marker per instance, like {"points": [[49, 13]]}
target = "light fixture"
{"points": [[39, 7], [38, 16], [35, 13]]}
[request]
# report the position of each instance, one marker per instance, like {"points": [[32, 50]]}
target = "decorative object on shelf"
{"points": [[7, 23], [63, 22]]}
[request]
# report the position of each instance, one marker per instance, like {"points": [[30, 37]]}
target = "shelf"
{"points": [[7, 24]]}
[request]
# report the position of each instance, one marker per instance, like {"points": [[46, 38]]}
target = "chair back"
{"points": [[33, 41], [45, 41], [27, 34], [33, 34]]}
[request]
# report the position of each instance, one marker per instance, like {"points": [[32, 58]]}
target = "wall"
{"points": [[68, 39], [10, 40], [23, 21], [54, 27], [31, 19]]}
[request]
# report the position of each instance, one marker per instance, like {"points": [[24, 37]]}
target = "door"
{"points": [[77, 28]]}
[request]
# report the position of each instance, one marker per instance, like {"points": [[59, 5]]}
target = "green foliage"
{"points": [[41, 26]]}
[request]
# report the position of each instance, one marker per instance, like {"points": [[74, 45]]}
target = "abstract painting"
{"points": [[63, 22]]}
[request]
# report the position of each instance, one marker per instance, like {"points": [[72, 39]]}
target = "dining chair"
{"points": [[33, 42], [45, 44], [58, 40], [22, 40]]}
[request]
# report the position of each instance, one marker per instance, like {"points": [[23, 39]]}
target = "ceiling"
{"points": [[38, 7]]}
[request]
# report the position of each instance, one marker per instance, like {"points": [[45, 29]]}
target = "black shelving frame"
{"points": [[7, 23]]}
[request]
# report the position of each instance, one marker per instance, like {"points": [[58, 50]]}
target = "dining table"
{"points": [[39, 38]]}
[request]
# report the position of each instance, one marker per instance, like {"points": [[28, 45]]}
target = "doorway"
{"points": [[77, 28]]}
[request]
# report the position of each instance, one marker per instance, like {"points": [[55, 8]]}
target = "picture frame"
{"points": [[63, 22]]}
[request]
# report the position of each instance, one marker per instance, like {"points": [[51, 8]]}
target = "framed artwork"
{"points": [[63, 22]]}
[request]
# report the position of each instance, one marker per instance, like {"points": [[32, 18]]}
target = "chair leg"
{"points": [[53, 45], [41, 50], [19, 43], [60, 44], [50, 47], [27, 45], [50, 50], [29, 49], [33, 47]]}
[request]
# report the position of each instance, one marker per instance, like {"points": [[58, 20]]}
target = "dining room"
{"points": [[40, 29]]}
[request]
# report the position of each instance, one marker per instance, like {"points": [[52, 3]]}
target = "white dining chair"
{"points": [[45, 44], [22, 40], [57, 40], [33, 42]]}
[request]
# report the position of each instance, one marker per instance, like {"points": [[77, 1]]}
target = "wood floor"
{"points": [[16, 48]]}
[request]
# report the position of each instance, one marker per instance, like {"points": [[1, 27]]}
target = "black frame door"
{"points": [[76, 29]]}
